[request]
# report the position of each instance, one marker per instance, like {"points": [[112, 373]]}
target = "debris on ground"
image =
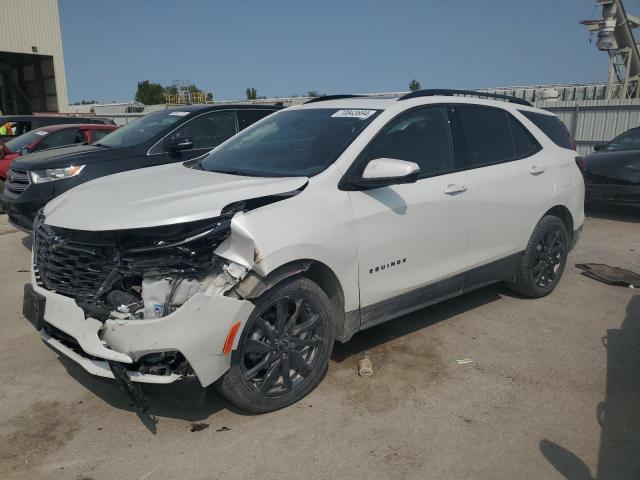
{"points": [[610, 275], [463, 361], [223, 429], [365, 367], [198, 427]]}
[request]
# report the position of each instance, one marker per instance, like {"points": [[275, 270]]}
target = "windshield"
{"points": [[141, 129], [290, 143], [629, 140], [18, 143]]}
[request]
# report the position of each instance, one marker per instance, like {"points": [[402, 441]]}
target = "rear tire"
{"points": [[284, 349], [544, 259]]}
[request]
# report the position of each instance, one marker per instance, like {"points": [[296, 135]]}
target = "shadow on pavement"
{"points": [[398, 327], [618, 414], [185, 399], [620, 213]]}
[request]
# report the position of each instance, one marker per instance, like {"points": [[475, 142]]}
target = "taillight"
{"points": [[580, 163]]}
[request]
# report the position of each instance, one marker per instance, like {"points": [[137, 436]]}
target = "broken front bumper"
{"points": [[198, 330]]}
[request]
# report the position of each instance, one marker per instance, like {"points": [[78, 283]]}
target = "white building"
{"points": [[32, 77]]}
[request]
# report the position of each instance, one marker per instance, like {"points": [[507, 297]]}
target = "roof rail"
{"points": [[468, 93], [331, 97]]}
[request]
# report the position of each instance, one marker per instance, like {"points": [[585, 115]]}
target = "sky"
{"points": [[291, 47]]}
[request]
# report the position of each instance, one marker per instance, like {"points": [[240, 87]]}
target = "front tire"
{"points": [[544, 259], [284, 349]]}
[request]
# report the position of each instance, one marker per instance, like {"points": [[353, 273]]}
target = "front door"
{"points": [[412, 239]]}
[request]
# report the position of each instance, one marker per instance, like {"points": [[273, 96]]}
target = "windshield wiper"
{"points": [[241, 173], [101, 145]]}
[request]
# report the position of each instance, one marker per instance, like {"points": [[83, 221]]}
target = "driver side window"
{"points": [[209, 130], [420, 136]]}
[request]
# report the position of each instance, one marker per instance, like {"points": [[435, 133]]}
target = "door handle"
{"points": [[452, 189], [536, 170]]}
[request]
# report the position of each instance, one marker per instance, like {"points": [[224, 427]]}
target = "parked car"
{"points": [[243, 266], [51, 137], [165, 136], [21, 124], [612, 172]]}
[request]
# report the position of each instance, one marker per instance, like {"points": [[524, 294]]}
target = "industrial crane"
{"points": [[615, 36]]}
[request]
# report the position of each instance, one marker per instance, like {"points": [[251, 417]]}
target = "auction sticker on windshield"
{"points": [[179, 114], [361, 114]]}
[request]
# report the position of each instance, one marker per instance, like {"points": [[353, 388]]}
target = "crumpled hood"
{"points": [[157, 196]]}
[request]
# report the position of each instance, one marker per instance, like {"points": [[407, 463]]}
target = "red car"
{"points": [[48, 137]]}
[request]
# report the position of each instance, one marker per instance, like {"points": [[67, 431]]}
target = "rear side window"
{"points": [[249, 117], [524, 143], [486, 134], [552, 128], [491, 135]]}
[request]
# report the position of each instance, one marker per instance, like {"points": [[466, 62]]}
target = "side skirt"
{"points": [[503, 270]]}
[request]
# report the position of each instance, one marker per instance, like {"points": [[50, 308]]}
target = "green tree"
{"points": [[150, 93], [313, 93], [251, 93], [414, 86]]}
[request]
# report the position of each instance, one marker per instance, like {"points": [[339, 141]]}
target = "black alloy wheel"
{"points": [[282, 346], [284, 349]]}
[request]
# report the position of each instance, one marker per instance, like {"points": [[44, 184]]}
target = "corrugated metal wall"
{"points": [[35, 23], [595, 121]]}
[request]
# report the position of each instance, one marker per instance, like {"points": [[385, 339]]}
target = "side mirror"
{"points": [[383, 172], [600, 146], [25, 151], [178, 144]]}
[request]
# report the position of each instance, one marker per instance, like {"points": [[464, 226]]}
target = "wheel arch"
{"points": [[564, 214], [318, 272]]}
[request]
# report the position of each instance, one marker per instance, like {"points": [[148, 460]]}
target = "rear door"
{"points": [[510, 178]]}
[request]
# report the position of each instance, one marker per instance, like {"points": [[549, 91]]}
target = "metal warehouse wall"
{"points": [[595, 121], [25, 24]]}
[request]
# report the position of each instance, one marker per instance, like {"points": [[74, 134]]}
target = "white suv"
{"points": [[243, 266]]}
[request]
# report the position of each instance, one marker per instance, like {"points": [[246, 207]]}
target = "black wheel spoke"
{"points": [[268, 331], [282, 311], [294, 317], [308, 342], [270, 378], [255, 346], [299, 363], [285, 371], [313, 320], [252, 372]]}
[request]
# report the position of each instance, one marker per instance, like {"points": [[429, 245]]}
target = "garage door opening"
{"points": [[27, 84]]}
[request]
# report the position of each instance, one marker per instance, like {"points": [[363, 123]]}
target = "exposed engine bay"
{"points": [[135, 274]]}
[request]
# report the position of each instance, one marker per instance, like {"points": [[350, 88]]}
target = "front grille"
{"points": [[86, 265], [68, 267], [17, 182]]}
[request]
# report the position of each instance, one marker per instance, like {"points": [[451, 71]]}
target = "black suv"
{"points": [[165, 136]]}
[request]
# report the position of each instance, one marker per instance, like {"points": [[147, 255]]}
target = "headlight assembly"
{"points": [[52, 174]]}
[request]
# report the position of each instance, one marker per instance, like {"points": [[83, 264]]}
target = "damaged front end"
{"points": [[151, 302]]}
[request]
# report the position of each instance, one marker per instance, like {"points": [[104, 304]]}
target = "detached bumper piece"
{"points": [[133, 390]]}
